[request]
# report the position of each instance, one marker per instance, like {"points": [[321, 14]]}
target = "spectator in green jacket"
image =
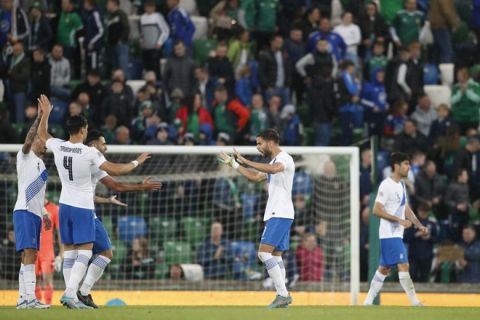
{"points": [[407, 24], [68, 25], [465, 101]]}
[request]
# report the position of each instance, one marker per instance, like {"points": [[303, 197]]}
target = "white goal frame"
{"points": [[354, 167]]}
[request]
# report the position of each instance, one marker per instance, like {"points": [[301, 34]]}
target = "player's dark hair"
{"points": [[398, 158], [93, 135], [75, 123], [270, 135]]}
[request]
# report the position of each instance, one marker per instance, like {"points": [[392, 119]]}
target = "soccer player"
{"points": [[75, 163], [279, 212], [391, 206], [28, 214], [46, 262], [102, 246]]}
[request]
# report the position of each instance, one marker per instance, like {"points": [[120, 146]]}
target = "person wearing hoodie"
{"points": [[181, 26], [424, 115], [258, 118], [292, 128], [374, 101], [206, 135], [350, 112], [193, 115]]}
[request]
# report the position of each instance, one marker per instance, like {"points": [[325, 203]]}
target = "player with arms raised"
{"points": [[392, 207], [75, 163], [279, 212]]}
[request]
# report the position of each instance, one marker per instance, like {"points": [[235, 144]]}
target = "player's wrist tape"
{"points": [[135, 163]]}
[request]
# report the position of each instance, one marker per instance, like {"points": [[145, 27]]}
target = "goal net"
{"points": [[201, 231]]}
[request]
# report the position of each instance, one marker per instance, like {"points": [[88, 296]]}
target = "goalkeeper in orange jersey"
{"points": [[46, 262]]}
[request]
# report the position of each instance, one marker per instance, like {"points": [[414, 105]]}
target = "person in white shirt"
{"points": [[279, 212], [28, 213], [75, 163], [391, 206], [351, 35]]}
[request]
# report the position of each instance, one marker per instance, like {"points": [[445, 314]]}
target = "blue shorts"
{"points": [[77, 225], [392, 252], [27, 227], [277, 233], [102, 241]]}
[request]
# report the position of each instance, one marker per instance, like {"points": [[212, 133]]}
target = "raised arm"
{"points": [[254, 176], [110, 200], [46, 108], [27, 145], [118, 169], [262, 167], [117, 186]]}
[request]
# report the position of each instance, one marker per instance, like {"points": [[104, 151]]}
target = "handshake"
{"points": [[234, 161]]}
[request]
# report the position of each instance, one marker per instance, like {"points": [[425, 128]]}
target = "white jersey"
{"points": [[393, 197], [279, 204], [97, 175], [32, 177], [75, 163]]}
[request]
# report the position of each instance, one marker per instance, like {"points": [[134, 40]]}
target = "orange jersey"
{"points": [[47, 236]]}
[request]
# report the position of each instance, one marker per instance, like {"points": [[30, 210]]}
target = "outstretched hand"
{"points": [[115, 201], [44, 105], [143, 157], [238, 157], [151, 185]]}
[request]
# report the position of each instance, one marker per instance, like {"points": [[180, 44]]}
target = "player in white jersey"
{"points": [[28, 213], [75, 163], [391, 206], [279, 212], [102, 246]]}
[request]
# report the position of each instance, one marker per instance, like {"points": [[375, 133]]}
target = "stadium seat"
{"points": [[162, 229], [161, 271], [195, 229], [430, 74], [57, 131], [60, 108], [177, 252], [120, 251], [438, 94], [201, 50], [130, 228], [108, 224], [447, 73], [135, 85], [243, 256], [73, 84], [201, 28], [190, 6]]}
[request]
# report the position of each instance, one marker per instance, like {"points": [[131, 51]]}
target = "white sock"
{"points": [[375, 287], [274, 272], [68, 261], [78, 271], [94, 273], [282, 267], [21, 285], [30, 281], [407, 285]]}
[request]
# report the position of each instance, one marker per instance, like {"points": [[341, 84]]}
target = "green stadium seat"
{"points": [[177, 252], [201, 50], [119, 253], [57, 130], [162, 229], [308, 136], [108, 224], [161, 271], [73, 84], [195, 229]]}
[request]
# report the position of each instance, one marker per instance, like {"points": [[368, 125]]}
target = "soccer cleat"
{"points": [[87, 300], [35, 304], [21, 305], [418, 304], [280, 302], [70, 303]]}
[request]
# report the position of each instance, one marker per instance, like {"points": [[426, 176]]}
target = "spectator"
{"points": [[374, 29], [420, 246], [122, 136], [206, 135], [93, 35], [457, 200], [59, 73], [220, 68], [273, 113], [378, 60], [265, 21], [223, 139], [273, 70], [366, 176], [230, 116], [309, 23], [351, 35], [7, 132], [139, 124], [68, 25], [475, 22], [41, 33], [316, 64], [181, 26], [291, 127], [410, 140], [465, 100], [407, 24], [9, 267], [444, 20], [108, 128], [440, 125], [118, 75], [240, 50], [364, 243], [310, 259], [205, 85], [395, 121], [295, 49], [30, 115], [117, 103], [224, 17], [139, 263], [424, 115], [211, 254], [154, 33], [96, 93], [193, 115], [14, 22], [40, 75], [468, 268], [19, 75], [118, 31], [161, 136], [374, 103], [430, 188], [176, 102], [258, 118], [413, 78], [468, 159], [335, 41], [395, 73], [179, 70]]}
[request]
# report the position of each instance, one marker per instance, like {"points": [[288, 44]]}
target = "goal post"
{"points": [[198, 190]]}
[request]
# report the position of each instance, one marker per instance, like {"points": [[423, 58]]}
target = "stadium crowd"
{"points": [[321, 72]]}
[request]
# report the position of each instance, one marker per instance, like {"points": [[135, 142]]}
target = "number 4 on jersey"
{"points": [[67, 164]]}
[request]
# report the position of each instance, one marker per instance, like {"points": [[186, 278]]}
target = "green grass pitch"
{"points": [[245, 313]]}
